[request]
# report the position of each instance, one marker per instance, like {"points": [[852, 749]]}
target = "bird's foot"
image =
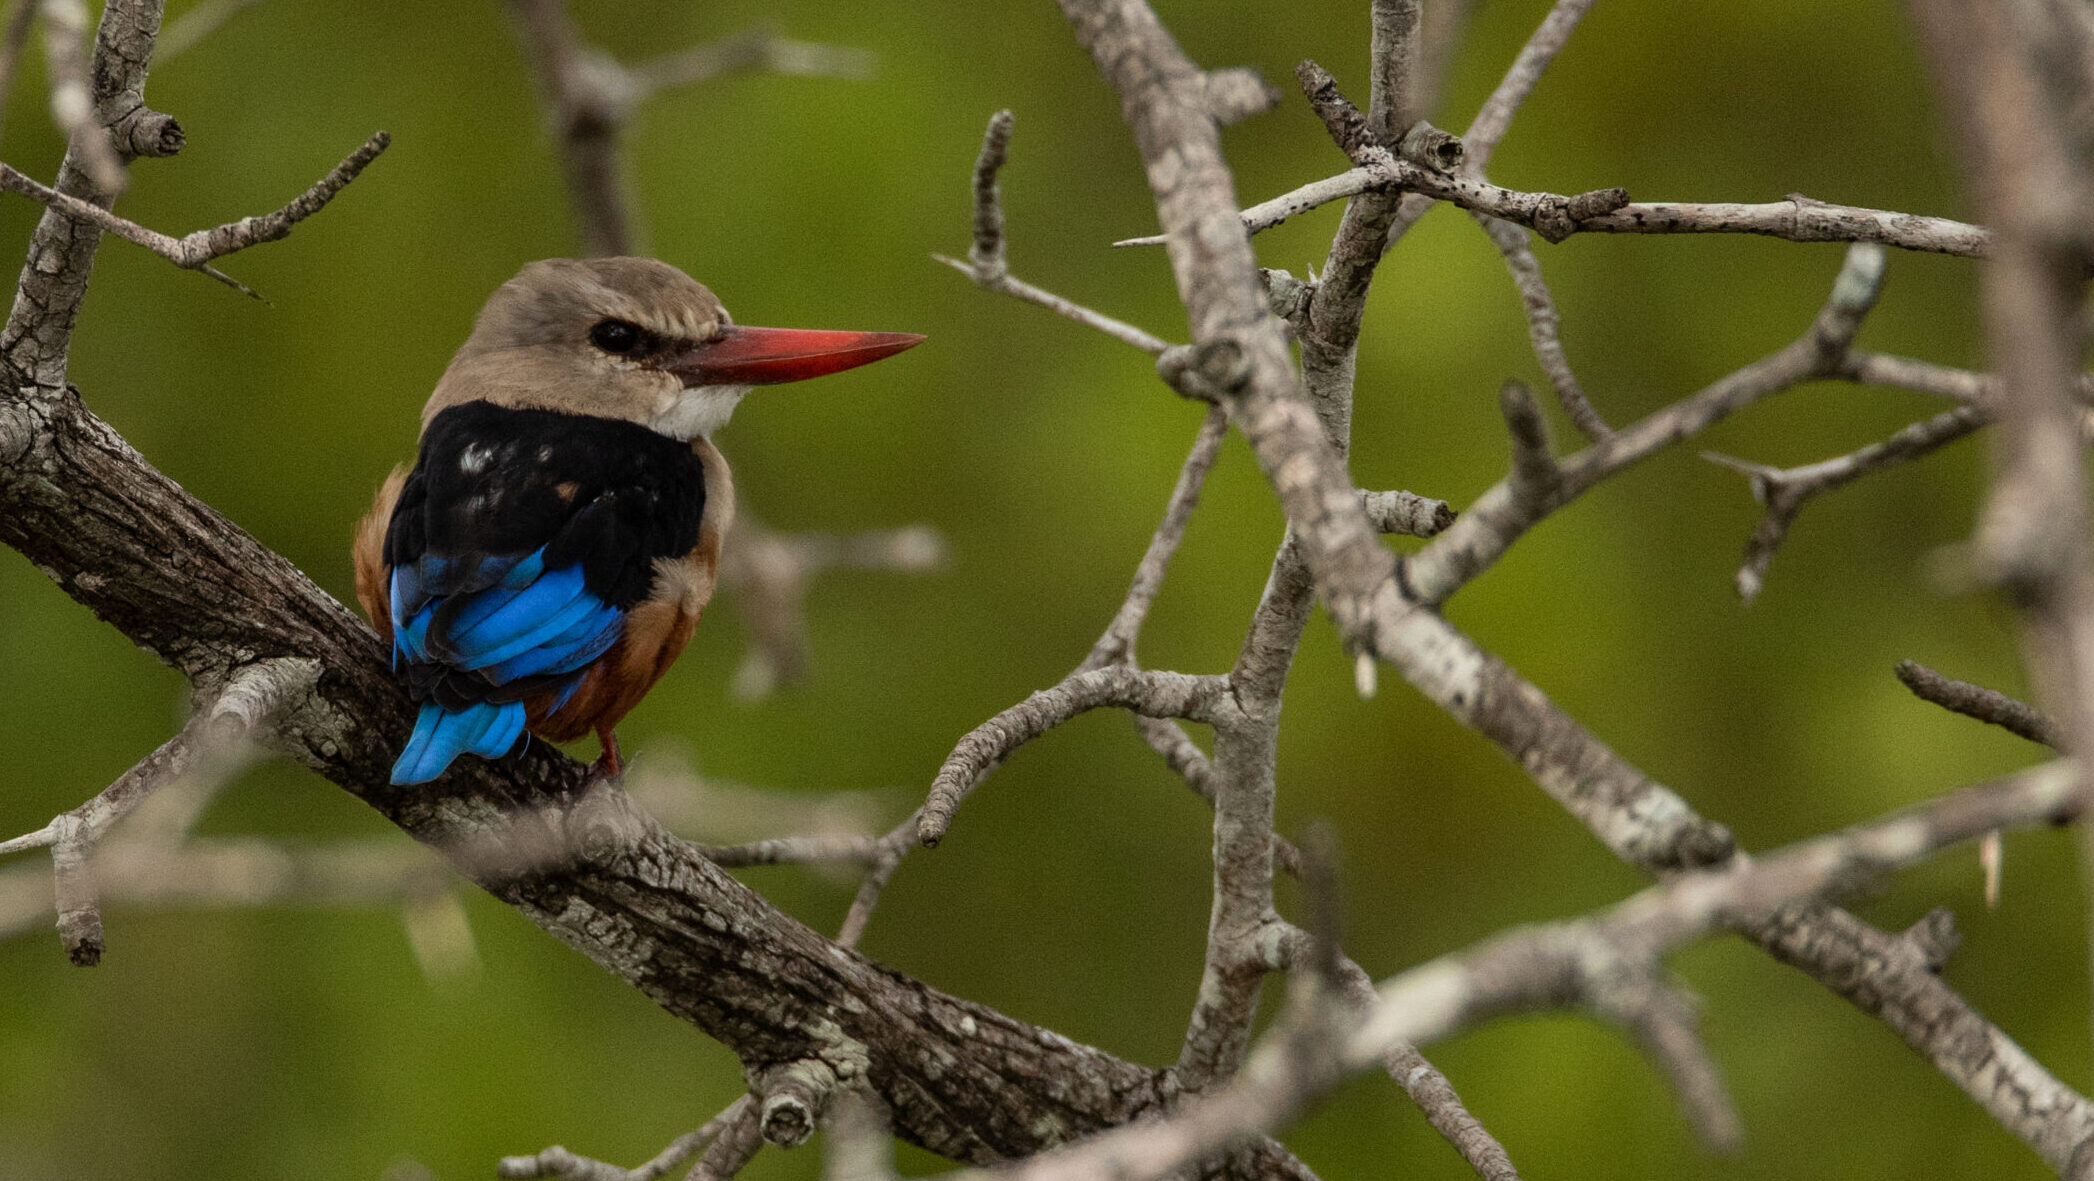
{"points": [[608, 766]]}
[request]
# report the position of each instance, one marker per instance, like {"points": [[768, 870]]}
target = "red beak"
{"points": [[767, 356]]}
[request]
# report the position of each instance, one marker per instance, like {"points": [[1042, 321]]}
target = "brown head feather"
{"points": [[530, 346]]}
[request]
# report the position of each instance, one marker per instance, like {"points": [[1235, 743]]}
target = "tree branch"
{"points": [[196, 250]]}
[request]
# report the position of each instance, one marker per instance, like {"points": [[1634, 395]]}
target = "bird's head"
{"points": [[634, 339]]}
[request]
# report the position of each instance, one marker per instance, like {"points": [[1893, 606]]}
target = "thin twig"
{"points": [[1487, 528], [247, 704], [1151, 694], [1117, 645], [1976, 701], [195, 251], [769, 575], [558, 1162], [987, 265], [1784, 492], [1542, 321], [1796, 219]]}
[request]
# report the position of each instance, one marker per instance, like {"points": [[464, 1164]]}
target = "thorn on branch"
{"points": [[1783, 493], [1976, 701]]}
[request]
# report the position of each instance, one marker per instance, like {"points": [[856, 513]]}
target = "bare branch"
{"points": [[195, 251], [72, 107], [589, 96], [1509, 508], [986, 264], [557, 1162], [1784, 492], [1151, 694], [1598, 961], [1542, 321], [1976, 701], [1795, 219], [1116, 646], [1494, 118], [54, 277], [770, 573], [752, 49], [254, 696], [1432, 1001]]}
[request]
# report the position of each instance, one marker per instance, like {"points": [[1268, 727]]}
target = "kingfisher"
{"points": [[547, 556]]}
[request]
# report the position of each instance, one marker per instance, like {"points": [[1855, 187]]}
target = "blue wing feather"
{"points": [[517, 543], [520, 620]]}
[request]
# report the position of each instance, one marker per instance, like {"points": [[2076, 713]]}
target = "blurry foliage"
{"points": [[1073, 890]]}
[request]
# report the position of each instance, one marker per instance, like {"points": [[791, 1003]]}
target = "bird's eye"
{"points": [[615, 336]]}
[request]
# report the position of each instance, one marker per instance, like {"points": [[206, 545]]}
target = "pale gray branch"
{"points": [[1117, 645], [72, 104], [770, 573], [1784, 491], [558, 1162], [254, 696], [1542, 325], [1151, 694], [1555, 217], [1487, 528], [195, 251], [986, 263]]}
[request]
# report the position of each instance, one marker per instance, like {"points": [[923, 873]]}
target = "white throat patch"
{"points": [[699, 411]]}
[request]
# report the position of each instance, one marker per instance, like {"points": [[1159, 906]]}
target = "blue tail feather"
{"points": [[486, 729]]}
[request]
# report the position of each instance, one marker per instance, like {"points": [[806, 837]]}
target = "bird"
{"points": [[547, 555]]}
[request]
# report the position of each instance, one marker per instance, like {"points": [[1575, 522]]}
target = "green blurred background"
{"points": [[1073, 890]]}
